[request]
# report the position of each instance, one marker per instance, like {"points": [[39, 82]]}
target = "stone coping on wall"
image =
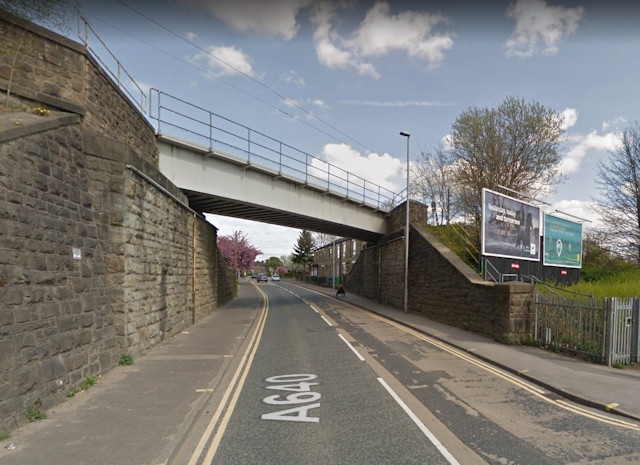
{"points": [[451, 257], [16, 124]]}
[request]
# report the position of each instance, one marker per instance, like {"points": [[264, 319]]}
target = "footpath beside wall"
{"points": [[441, 286], [100, 255]]}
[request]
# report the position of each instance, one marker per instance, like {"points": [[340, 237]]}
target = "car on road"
{"points": [[275, 277], [262, 277]]}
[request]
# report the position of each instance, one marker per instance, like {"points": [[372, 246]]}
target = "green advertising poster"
{"points": [[562, 242]]}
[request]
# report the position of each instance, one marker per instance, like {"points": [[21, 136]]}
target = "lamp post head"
{"points": [[404, 133]]}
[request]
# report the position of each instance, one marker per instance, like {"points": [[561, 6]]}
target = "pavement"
{"points": [[142, 413]]}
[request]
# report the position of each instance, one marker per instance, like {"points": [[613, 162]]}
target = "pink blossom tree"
{"points": [[238, 252]]}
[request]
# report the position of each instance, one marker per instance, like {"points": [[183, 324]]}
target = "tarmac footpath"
{"points": [[140, 414], [596, 386]]}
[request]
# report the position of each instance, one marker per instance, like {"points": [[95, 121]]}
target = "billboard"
{"points": [[510, 228], [562, 242]]}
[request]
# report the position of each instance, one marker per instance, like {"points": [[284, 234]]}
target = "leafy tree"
{"points": [[515, 145], [303, 250], [598, 259], [619, 182], [273, 263], [286, 261], [238, 252]]}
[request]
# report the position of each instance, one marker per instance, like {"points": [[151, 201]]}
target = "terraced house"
{"points": [[335, 259]]}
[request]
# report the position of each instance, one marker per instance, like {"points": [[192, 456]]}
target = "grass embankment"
{"points": [[621, 284]]}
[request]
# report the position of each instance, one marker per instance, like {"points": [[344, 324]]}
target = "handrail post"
{"points": [[210, 132], [348, 187], [159, 110], [248, 145], [306, 168]]}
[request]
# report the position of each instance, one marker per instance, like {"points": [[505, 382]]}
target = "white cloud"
{"points": [[411, 32], [291, 77], [383, 170], [406, 103], [581, 145], [578, 208], [538, 23], [379, 34], [225, 61], [319, 103], [614, 124], [296, 103], [569, 118], [191, 36], [264, 18], [328, 53]]}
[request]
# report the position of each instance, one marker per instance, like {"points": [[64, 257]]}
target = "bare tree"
{"points": [[433, 183], [619, 183], [322, 239]]}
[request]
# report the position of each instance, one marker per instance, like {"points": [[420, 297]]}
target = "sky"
{"points": [[341, 79]]}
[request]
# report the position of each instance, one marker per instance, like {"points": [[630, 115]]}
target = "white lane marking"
{"points": [[445, 453], [352, 348], [325, 320]]}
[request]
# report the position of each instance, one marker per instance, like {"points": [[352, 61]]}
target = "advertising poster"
{"points": [[510, 228], [562, 242]]}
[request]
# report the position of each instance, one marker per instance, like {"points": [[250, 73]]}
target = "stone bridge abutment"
{"points": [[100, 254]]}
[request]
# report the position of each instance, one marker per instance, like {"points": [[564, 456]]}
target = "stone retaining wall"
{"points": [[441, 286], [99, 253]]}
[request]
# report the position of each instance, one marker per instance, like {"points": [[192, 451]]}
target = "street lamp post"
{"points": [[406, 232]]}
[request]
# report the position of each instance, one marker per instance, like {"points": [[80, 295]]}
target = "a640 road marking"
{"points": [[300, 386]]}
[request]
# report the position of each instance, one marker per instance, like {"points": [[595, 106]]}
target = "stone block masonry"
{"points": [[441, 286], [99, 253]]}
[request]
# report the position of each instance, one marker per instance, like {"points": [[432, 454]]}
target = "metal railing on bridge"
{"points": [[198, 126], [214, 132]]}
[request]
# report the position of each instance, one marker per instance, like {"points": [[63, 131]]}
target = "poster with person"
{"points": [[510, 227]]}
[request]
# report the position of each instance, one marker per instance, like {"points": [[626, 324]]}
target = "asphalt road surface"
{"points": [[322, 382]]}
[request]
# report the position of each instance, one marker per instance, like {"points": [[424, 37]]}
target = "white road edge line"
{"points": [[352, 348], [445, 453], [325, 320]]}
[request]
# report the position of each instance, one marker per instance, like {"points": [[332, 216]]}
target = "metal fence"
{"points": [[600, 330], [214, 132], [176, 117]]}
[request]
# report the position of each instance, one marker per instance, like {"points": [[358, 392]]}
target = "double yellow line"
{"points": [[230, 398]]}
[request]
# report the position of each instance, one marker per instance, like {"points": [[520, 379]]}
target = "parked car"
{"points": [[262, 277], [275, 277], [254, 276]]}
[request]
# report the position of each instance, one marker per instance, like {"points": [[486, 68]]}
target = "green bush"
{"points": [[126, 360], [34, 412]]}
